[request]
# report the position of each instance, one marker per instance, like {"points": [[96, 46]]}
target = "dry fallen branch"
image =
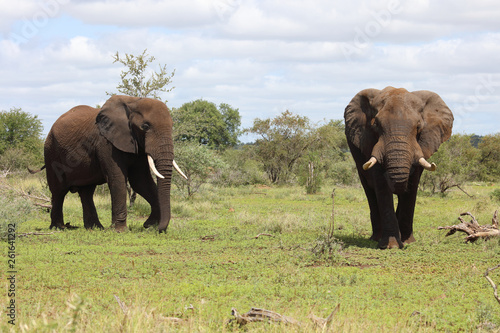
{"points": [[37, 233], [5, 173], [262, 315], [34, 198], [256, 314], [473, 229], [324, 323], [263, 234], [493, 285]]}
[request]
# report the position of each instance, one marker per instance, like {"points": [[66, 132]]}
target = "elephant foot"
{"points": [[410, 240], [120, 227], [390, 243], [59, 226], [95, 225], [98, 225], [376, 236], [150, 223]]}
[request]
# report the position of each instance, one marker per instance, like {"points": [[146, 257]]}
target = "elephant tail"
{"points": [[36, 171]]}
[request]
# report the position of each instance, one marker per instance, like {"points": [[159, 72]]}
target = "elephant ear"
{"points": [[358, 116], [438, 122], [113, 122]]}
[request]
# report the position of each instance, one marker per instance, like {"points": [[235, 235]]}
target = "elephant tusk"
{"points": [[427, 166], [371, 162], [153, 168], [176, 167]]}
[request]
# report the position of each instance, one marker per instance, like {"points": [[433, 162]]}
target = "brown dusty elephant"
{"points": [[391, 133], [118, 143]]}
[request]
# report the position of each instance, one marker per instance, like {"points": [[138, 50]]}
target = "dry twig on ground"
{"points": [[493, 285], [263, 234], [473, 229], [37, 233], [256, 315]]}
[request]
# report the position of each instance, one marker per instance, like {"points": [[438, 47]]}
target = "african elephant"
{"points": [[121, 141], [391, 133]]}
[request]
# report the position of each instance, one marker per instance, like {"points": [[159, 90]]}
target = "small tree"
{"points": [[310, 172], [457, 162], [324, 156], [205, 123], [134, 81], [198, 162], [489, 160], [283, 141], [20, 139], [240, 168]]}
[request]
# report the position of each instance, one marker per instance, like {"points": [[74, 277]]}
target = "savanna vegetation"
{"points": [[252, 227], [211, 260]]}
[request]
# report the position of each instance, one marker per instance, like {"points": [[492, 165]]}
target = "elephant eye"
{"points": [[145, 127]]}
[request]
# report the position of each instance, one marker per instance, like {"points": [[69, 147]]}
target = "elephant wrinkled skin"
{"points": [[87, 147], [391, 133]]}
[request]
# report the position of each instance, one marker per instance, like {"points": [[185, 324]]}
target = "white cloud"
{"points": [[144, 13], [262, 57]]}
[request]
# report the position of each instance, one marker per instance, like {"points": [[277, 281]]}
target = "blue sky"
{"points": [[262, 57]]}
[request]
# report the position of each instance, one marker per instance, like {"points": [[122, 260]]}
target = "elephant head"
{"points": [[398, 129], [143, 126]]}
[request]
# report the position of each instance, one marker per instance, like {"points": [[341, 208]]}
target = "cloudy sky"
{"points": [[260, 56]]}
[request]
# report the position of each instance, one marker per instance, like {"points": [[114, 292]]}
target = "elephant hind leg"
{"points": [[90, 217], [56, 213], [374, 210]]}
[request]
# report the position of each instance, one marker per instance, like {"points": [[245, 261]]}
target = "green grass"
{"points": [[210, 261]]}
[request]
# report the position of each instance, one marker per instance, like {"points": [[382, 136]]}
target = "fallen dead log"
{"points": [[256, 314], [473, 229], [262, 315]]}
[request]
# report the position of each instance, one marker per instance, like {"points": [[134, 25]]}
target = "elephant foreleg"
{"points": [[374, 211], [118, 190], [141, 181], [90, 217], [406, 207], [391, 237]]}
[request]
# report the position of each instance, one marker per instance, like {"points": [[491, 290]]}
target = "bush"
{"points": [[239, 169], [343, 172], [457, 162], [20, 142], [310, 173], [495, 195], [13, 210], [17, 158], [198, 162]]}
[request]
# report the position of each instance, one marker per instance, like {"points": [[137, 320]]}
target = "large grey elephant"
{"points": [[118, 143], [391, 133]]}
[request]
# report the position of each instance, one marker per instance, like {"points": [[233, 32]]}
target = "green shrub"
{"points": [[13, 210], [495, 195], [343, 172]]}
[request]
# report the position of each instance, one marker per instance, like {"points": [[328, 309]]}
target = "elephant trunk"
{"points": [[162, 159], [398, 162], [164, 166]]}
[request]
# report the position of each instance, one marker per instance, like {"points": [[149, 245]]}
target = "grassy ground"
{"points": [[210, 261]]}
